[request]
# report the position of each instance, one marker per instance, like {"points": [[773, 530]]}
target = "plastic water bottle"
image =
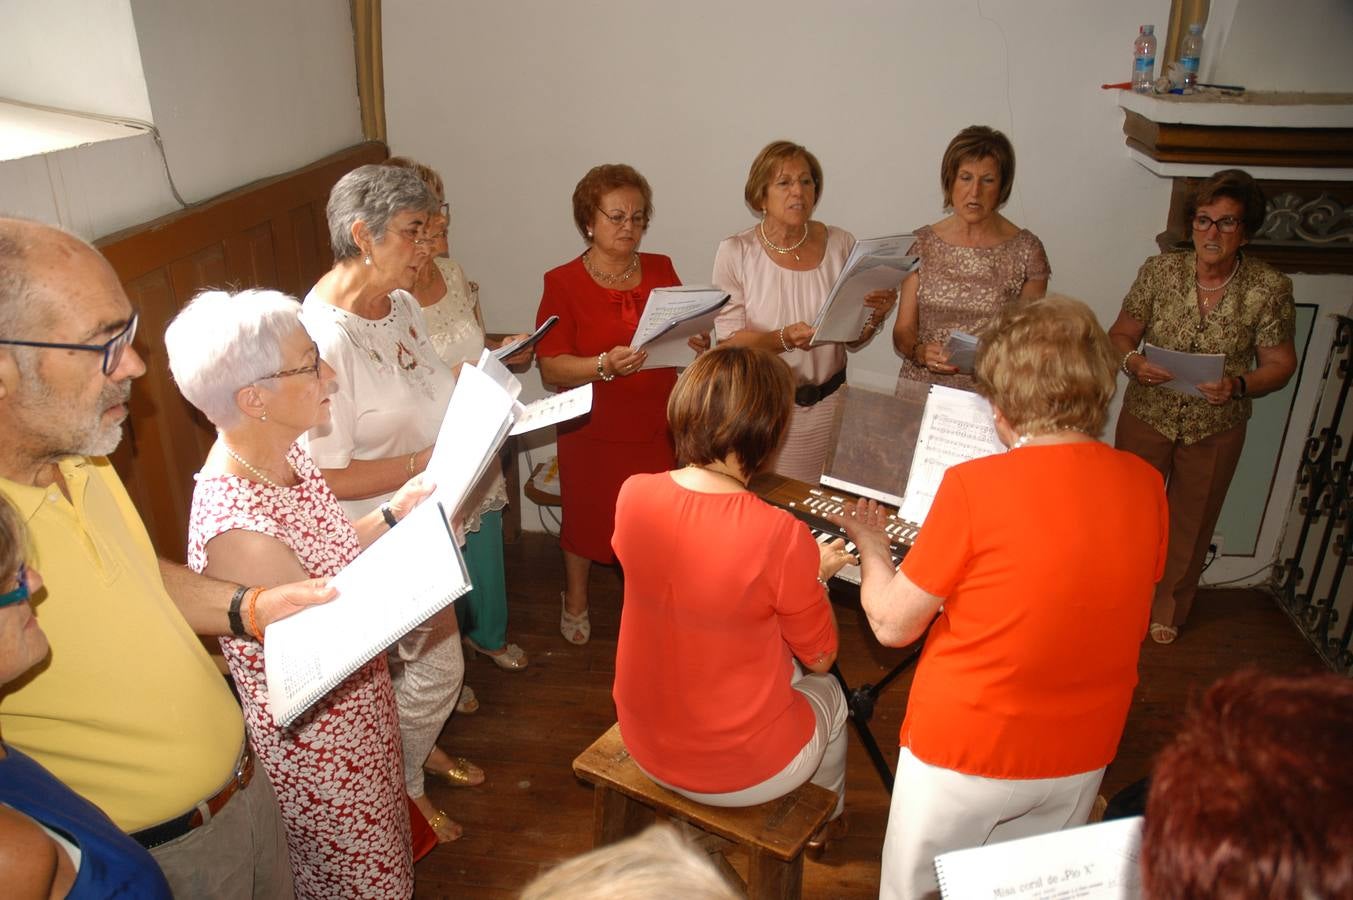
{"points": [[1190, 51], [1144, 60]]}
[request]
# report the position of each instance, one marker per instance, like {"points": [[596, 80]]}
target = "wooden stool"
{"points": [[773, 834]]}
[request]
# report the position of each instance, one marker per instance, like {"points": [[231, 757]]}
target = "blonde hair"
{"points": [[1047, 365], [656, 863]]}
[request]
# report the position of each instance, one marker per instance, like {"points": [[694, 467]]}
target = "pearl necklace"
{"points": [[607, 277], [1222, 286], [252, 471], [1024, 439], [761, 229]]}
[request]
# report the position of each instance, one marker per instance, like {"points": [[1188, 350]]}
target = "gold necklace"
{"points": [[1222, 286], [252, 471], [729, 475], [607, 277], [761, 229]]}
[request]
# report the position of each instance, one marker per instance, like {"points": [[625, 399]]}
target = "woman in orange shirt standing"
{"points": [[726, 634], [1040, 563]]}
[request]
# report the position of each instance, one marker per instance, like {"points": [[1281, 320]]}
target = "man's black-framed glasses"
{"points": [[112, 349]]}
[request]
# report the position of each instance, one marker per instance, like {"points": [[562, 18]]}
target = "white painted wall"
{"points": [[514, 101], [240, 91], [94, 67], [1278, 45]]}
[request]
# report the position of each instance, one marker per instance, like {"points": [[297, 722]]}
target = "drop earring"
{"points": [[367, 259], [264, 417]]}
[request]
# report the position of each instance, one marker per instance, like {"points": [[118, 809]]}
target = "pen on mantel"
{"points": [[1224, 87], [1117, 86]]}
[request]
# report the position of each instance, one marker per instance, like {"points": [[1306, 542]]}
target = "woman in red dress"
{"points": [[599, 297]]}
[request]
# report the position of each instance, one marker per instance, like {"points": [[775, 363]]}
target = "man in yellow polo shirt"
{"points": [[129, 710]]}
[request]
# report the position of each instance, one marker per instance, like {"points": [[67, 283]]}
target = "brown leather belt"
{"points": [[203, 813]]}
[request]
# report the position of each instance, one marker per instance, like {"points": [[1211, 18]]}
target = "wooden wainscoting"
{"points": [[270, 234]]}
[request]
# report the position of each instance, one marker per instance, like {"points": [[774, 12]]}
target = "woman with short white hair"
{"points": [[263, 514]]}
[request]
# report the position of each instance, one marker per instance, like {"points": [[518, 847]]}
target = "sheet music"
{"points": [[957, 426], [670, 350], [401, 579], [962, 351], [1092, 862], [874, 264], [476, 424], [1189, 369], [553, 409], [669, 306], [529, 341]]}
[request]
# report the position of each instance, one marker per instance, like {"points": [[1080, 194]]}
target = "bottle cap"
{"points": [[1148, 29], [1195, 28]]}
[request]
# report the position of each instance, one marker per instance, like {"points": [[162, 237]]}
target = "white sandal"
{"points": [[576, 628]]}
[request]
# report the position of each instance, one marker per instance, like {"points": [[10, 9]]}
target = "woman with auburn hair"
{"points": [[599, 297], [973, 262], [1026, 559], [726, 605], [1250, 801], [778, 274], [1210, 299]]}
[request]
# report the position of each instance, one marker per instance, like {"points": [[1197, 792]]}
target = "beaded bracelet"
{"points": [[409, 465], [1126, 356], [783, 343], [601, 367]]}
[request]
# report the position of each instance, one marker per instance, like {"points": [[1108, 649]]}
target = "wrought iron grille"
{"points": [[1309, 578]]}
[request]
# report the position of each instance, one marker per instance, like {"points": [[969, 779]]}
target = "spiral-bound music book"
{"points": [[1093, 862]]}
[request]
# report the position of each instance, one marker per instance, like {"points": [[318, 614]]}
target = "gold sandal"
{"points": [[446, 829], [1162, 633], [462, 773]]}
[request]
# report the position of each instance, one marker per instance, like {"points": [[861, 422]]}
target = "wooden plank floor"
{"points": [[532, 813]]}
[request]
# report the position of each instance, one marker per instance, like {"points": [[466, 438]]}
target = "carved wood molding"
{"points": [[1308, 225], [1224, 146]]}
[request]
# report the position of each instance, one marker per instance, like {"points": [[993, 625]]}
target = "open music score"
{"points": [[812, 504]]}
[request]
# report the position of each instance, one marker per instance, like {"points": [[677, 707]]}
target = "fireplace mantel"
{"points": [[1298, 146]]}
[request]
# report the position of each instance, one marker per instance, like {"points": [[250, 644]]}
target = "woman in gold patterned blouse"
{"points": [[1211, 299]]}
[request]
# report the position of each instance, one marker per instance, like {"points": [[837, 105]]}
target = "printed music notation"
{"points": [[957, 426]]}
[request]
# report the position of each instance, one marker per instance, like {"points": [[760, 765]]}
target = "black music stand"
{"points": [[861, 701], [875, 434]]}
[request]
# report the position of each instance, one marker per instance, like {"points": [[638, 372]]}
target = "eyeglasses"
{"points": [[312, 369], [20, 593], [638, 220], [112, 349], [1226, 224], [416, 236]]}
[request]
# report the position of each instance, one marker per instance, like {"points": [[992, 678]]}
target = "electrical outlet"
{"points": [[1216, 545]]}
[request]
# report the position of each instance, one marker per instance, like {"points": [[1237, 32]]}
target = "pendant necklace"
{"points": [[761, 229]]}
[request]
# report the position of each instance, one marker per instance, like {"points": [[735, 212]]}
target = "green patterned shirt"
{"points": [[1255, 311]]}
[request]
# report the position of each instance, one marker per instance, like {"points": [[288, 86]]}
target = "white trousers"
{"points": [[821, 761], [427, 667], [935, 810]]}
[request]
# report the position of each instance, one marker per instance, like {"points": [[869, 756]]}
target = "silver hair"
{"points": [[373, 195], [657, 863], [221, 342]]}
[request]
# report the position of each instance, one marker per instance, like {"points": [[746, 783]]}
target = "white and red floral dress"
{"points": [[337, 770]]}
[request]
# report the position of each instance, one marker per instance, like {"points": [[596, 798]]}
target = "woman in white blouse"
{"points": [[392, 392]]}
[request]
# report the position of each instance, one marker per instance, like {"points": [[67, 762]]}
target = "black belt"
{"points": [[203, 813], [812, 394]]}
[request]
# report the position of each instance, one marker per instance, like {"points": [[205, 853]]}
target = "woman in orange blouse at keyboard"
{"points": [[725, 606], [1044, 559]]}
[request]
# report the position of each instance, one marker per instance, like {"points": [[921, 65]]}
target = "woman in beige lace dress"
{"points": [[973, 262]]}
